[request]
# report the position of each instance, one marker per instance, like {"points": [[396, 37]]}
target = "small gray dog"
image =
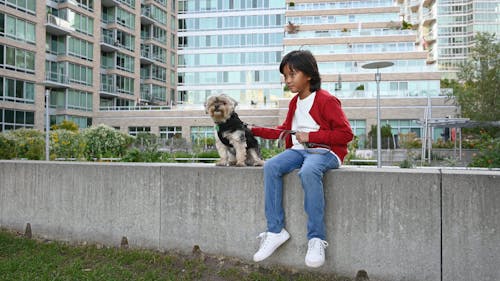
{"points": [[234, 142]]}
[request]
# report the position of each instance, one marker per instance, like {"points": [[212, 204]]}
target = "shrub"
{"points": [[352, 146], [182, 154], [267, 153], [105, 142], [7, 147], [65, 125], [29, 143], [409, 140], [146, 142], [489, 152], [66, 144], [208, 154]]}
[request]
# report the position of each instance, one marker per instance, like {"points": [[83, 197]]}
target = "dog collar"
{"points": [[217, 127]]}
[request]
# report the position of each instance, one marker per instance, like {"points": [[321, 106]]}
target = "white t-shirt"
{"points": [[303, 122]]}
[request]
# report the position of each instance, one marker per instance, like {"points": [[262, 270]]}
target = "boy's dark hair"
{"points": [[304, 61]]}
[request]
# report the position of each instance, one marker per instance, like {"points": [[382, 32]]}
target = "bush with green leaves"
{"points": [[489, 152], [66, 125], [105, 142], [136, 155], [29, 143], [67, 144], [267, 153], [7, 147], [386, 136]]}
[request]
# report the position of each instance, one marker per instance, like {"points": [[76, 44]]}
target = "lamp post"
{"points": [[378, 65], [47, 124]]}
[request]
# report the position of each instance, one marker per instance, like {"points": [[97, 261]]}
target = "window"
{"points": [[17, 29], [16, 119], [133, 131], [80, 48], [200, 134], [81, 23], [170, 132], [17, 59], [124, 85], [124, 62], [80, 74], [79, 100], [359, 130], [28, 6], [403, 126], [17, 90]]}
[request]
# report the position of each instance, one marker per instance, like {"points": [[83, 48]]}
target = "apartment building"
{"points": [[345, 35], [233, 47], [89, 56], [458, 21]]}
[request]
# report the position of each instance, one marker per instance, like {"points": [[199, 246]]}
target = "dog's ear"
{"points": [[235, 103], [207, 102]]}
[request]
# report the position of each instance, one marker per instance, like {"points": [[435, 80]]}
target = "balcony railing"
{"points": [[56, 78], [58, 26]]}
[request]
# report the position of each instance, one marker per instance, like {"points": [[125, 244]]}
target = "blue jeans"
{"points": [[312, 167]]}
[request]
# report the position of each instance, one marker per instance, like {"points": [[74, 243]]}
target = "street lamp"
{"points": [[377, 65], [47, 124]]}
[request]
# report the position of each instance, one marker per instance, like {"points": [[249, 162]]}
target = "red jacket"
{"points": [[334, 128]]}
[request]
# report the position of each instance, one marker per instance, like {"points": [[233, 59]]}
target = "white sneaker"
{"points": [[269, 243], [315, 256]]}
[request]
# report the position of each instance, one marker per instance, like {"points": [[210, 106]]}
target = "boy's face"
{"points": [[296, 80]]}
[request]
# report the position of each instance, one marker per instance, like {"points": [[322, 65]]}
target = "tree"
{"points": [[477, 92], [386, 136]]}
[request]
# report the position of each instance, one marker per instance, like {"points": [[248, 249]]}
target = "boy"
{"points": [[316, 133]]}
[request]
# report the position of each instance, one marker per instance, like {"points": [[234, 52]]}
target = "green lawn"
{"points": [[36, 259]]}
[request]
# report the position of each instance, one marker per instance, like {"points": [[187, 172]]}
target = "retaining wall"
{"points": [[398, 224]]}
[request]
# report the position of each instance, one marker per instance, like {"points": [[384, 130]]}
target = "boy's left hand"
{"points": [[302, 137]]}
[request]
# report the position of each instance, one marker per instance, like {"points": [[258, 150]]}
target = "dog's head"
{"points": [[220, 107]]}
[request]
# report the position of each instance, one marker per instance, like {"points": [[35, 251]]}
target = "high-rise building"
{"points": [[231, 47], [345, 35], [458, 21], [90, 56]]}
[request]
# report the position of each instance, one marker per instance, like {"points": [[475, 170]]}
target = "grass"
{"points": [[36, 259]]}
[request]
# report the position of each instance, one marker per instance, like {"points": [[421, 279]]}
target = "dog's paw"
{"points": [[259, 163], [240, 164], [221, 163]]}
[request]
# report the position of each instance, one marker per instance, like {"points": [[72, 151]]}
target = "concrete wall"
{"points": [[398, 224]]}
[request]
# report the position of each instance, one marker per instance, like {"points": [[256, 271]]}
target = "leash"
{"points": [[310, 147]]}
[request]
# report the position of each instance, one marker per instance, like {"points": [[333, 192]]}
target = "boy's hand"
{"points": [[302, 137]]}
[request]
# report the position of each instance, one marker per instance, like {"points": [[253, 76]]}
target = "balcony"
{"points": [[109, 3], [58, 26], [428, 3], [146, 57], [108, 90], [146, 17], [109, 43], [56, 80], [431, 57], [414, 5], [429, 18]]}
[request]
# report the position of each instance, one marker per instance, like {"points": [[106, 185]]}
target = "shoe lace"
{"points": [[263, 239], [317, 243]]}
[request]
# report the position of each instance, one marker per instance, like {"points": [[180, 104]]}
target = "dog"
{"points": [[235, 143]]}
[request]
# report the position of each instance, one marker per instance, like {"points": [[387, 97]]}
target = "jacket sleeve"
{"points": [[267, 133], [275, 133], [336, 129]]}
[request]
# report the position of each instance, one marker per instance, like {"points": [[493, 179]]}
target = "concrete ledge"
{"points": [[398, 224]]}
